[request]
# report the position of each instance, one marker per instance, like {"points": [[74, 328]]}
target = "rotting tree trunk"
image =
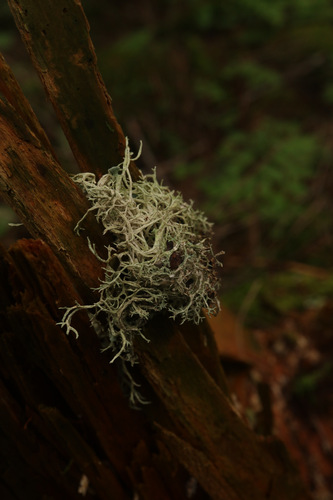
{"points": [[56, 35], [63, 414]]}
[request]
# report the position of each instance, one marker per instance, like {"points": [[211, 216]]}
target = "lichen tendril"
{"points": [[161, 257]]}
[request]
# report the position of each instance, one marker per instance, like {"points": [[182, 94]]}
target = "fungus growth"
{"points": [[161, 257]]}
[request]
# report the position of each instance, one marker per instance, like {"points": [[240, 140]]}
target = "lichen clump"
{"points": [[160, 258]]}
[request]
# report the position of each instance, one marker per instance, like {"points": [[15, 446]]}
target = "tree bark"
{"points": [[62, 411], [56, 35], [14, 95], [212, 442], [45, 198]]}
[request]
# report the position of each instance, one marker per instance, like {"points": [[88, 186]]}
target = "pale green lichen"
{"points": [[161, 257]]}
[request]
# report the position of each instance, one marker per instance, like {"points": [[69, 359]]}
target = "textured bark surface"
{"points": [[11, 90], [56, 35], [212, 442], [46, 200], [63, 413]]}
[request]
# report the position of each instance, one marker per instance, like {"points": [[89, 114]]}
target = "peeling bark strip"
{"points": [[211, 441], [60, 392], [56, 35], [11, 90], [47, 201]]}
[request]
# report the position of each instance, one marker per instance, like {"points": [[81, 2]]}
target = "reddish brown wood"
{"points": [[211, 441], [56, 35], [11, 90], [46, 200], [67, 395]]}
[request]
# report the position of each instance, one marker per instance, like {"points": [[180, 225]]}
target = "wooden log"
{"points": [[64, 387], [47, 201], [11, 90], [50, 31], [212, 442]]}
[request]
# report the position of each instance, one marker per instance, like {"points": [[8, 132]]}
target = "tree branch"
{"points": [[56, 35], [46, 200], [14, 95], [227, 458]]}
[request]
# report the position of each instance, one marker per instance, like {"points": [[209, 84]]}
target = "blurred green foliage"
{"points": [[265, 173], [252, 82], [288, 291], [309, 388], [271, 296]]}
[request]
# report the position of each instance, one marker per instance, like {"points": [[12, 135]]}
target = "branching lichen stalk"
{"points": [[161, 257]]}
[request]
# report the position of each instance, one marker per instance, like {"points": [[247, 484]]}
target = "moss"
{"points": [[161, 257]]}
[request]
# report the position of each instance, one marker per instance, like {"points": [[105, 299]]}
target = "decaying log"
{"points": [[69, 416], [46, 200], [11, 90], [212, 442], [56, 35]]}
